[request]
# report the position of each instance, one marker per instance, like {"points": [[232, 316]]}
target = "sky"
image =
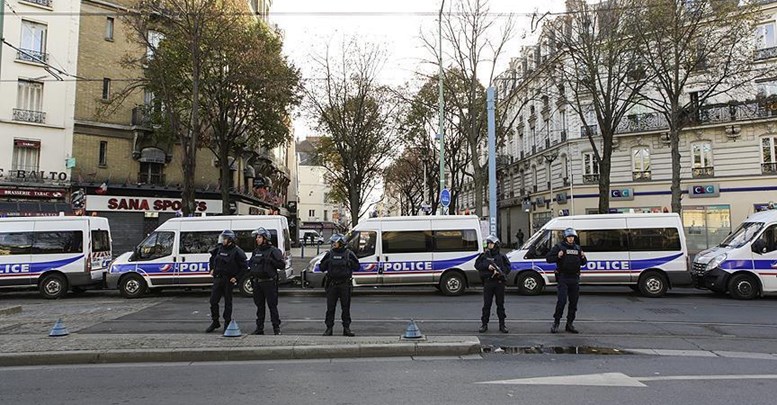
{"points": [[309, 25]]}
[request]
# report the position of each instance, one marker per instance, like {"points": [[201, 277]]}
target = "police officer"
{"points": [[227, 264], [493, 267], [568, 258], [264, 265], [339, 265]]}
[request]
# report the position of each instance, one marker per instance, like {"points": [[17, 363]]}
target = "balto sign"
{"points": [[143, 204]]}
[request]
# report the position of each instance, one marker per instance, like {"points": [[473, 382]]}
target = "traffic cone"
{"points": [[412, 331], [232, 330], [59, 329]]}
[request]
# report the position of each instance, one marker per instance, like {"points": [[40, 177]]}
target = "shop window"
{"points": [[706, 226]]}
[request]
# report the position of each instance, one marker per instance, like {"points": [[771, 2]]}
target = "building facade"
{"points": [[548, 168], [37, 82], [316, 209]]}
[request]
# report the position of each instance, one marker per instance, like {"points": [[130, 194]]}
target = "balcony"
{"points": [[642, 123], [643, 175], [765, 53], [44, 3], [38, 117], [591, 179], [769, 168], [703, 172], [29, 55], [151, 178], [585, 130], [141, 117]]}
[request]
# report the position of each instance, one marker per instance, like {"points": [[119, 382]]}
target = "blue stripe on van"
{"points": [[599, 265], [749, 264], [411, 265], [38, 267]]}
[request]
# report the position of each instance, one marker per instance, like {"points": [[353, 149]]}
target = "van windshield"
{"points": [[742, 235]]}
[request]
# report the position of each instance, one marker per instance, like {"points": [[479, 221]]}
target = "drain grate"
{"points": [[607, 351], [672, 311]]}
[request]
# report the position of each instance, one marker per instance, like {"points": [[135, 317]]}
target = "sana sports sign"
{"points": [[143, 204]]}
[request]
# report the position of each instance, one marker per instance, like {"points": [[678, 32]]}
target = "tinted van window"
{"points": [[198, 242], [363, 243], [603, 240], [15, 243], [655, 239], [407, 241], [248, 243], [57, 242], [456, 241], [101, 241]]}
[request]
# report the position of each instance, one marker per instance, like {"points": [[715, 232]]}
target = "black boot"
{"points": [[213, 326], [328, 331], [276, 330], [347, 332], [571, 328], [503, 328], [554, 328], [258, 331], [483, 328]]}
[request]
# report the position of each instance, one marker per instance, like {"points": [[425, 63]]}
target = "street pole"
{"points": [[571, 180], [491, 107], [441, 127], [2, 44]]}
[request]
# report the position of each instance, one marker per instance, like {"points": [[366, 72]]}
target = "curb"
{"points": [[11, 310], [294, 352]]}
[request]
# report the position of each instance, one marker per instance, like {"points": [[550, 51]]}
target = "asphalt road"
{"points": [[493, 379]]}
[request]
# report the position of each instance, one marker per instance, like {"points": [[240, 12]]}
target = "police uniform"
{"points": [[339, 265], [493, 284], [264, 264], [226, 262], [568, 279]]}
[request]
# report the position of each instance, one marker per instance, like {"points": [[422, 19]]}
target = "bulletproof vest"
{"points": [[571, 261], [338, 265]]}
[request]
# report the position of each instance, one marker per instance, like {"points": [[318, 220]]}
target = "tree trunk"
{"points": [[190, 141], [224, 179], [605, 167], [353, 202], [677, 193]]}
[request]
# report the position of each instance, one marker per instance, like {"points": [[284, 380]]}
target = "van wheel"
{"points": [[132, 286], [743, 287], [246, 288], [53, 286], [530, 283], [653, 284], [452, 283]]}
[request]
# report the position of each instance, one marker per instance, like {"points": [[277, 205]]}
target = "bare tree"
{"points": [[402, 177], [698, 52], [599, 73], [357, 116]]}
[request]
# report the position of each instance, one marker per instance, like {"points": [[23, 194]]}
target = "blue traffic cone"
{"points": [[232, 330], [59, 329], [412, 331]]}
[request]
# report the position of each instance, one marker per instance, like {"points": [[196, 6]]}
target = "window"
{"points": [[640, 163], [109, 29], [155, 246], [33, 43], [15, 243], [603, 240], [540, 244], [767, 242], [25, 158], [101, 241], [151, 173], [769, 155], [153, 39], [103, 158], [106, 88], [701, 153], [57, 242], [407, 241], [766, 89], [198, 242], [29, 96], [247, 241], [312, 213], [764, 36], [654, 239], [363, 243], [326, 215], [590, 168], [456, 241]]}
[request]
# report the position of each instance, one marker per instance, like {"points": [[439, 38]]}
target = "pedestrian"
{"points": [[227, 264], [338, 264], [569, 257], [493, 267], [264, 265], [519, 236]]}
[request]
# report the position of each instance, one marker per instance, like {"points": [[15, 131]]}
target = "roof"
{"points": [[763, 216], [224, 218], [420, 218]]}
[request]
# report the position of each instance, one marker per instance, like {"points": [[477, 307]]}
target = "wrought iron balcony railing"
{"points": [[590, 178], [38, 117], [643, 175], [29, 55], [701, 172]]}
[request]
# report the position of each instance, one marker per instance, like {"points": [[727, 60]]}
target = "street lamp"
{"points": [[441, 102]]}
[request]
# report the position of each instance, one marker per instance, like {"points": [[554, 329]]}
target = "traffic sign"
{"points": [[445, 197]]}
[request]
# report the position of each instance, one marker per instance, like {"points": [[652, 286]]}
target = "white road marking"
{"points": [[622, 380]]}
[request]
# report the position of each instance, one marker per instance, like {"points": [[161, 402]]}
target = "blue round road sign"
{"points": [[445, 197]]}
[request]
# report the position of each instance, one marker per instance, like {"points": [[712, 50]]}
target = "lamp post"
{"points": [[441, 102]]}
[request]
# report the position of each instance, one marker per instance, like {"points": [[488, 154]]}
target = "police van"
{"points": [[177, 254], [54, 254], [425, 250], [646, 252], [745, 263]]}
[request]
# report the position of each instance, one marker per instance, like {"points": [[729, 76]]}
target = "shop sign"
{"points": [[622, 194], [704, 190], [35, 176], [9, 192], [147, 204], [24, 143]]}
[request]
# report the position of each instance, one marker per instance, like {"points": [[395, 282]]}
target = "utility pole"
{"points": [[441, 127], [491, 108], [2, 38]]}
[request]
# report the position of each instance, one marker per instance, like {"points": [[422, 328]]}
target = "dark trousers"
{"points": [[342, 292], [221, 288], [266, 292], [568, 286], [493, 289]]}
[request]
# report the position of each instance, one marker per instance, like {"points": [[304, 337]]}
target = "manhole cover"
{"points": [[665, 311], [553, 350]]}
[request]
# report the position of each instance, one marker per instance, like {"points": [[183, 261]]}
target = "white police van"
{"points": [[646, 252], [745, 263], [54, 254], [424, 250], [176, 253]]}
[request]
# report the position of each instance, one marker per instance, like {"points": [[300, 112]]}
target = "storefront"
{"points": [[33, 192]]}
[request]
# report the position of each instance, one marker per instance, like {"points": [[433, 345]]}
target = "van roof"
{"points": [[623, 215], [763, 216], [225, 217], [50, 219], [421, 218]]}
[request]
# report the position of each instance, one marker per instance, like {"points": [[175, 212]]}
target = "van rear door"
{"points": [[15, 246]]}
